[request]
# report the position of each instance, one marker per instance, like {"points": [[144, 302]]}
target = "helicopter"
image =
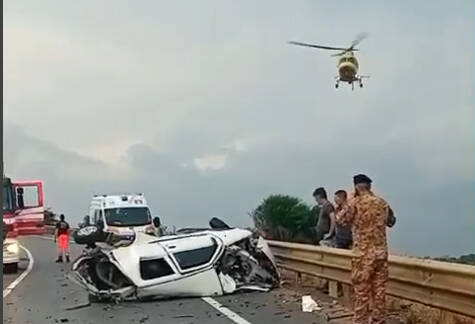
{"points": [[347, 64]]}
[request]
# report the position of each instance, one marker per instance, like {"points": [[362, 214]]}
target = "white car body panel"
{"points": [[8, 256], [203, 263], [191, 286]]}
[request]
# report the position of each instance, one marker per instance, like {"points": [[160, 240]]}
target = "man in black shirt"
{"points": [[326, 219], [62, 236]]}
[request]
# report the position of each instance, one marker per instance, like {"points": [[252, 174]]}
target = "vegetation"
{"points": [[50, 217], [286, 218], [464, 259]]}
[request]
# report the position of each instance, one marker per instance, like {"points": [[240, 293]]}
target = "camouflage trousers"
{"points": [[369, 278]]}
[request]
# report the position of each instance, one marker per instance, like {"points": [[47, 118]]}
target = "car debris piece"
{"points": [[309, 305], [78, 306], [184, 316], [198, 263]]}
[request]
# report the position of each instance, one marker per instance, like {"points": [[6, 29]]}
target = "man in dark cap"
{"points": [[368, 215]]}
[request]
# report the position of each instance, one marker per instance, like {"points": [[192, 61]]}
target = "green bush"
{"points": [[286, 218]]}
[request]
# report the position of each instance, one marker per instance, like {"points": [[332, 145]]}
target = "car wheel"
{"points": [[86, 235], [96, 299], [11, 268]]}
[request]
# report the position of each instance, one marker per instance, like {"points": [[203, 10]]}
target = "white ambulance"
{"points": [[121, 214]]}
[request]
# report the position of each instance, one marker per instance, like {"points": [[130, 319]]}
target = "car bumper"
{"points": [[10, 258]]}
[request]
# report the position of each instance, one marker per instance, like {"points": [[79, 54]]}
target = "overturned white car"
{"points": [[199, 262]]}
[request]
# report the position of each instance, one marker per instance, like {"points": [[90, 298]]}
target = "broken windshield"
{"points": [[130, 216]]}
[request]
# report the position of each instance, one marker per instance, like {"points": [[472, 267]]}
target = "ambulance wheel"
{"points": [[336, 85]]}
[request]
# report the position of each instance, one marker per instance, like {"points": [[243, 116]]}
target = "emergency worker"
{"points": [[368, 215], [61, 235]]}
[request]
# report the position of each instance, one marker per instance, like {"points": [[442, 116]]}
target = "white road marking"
{"points": [[25, 273], [225, 311]]}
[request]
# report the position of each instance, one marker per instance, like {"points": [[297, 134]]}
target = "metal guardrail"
{"points": [[443, 285]]}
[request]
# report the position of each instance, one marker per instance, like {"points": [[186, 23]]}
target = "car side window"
{"points": [[155, 268], [196, 257]]}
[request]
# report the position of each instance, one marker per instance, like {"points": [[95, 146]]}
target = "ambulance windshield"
{"points": [[129, 216]]}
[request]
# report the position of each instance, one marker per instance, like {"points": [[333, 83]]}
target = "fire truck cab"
{"points": [[23, 207]]}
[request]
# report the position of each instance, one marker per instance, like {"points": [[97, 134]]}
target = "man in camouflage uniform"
{"points": [[369, 215]]}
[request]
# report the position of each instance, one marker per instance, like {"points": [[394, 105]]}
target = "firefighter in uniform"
{"points": [[368, 215]]}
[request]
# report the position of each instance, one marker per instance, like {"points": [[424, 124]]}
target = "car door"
{"points": [[193, 257], [193, 253]]}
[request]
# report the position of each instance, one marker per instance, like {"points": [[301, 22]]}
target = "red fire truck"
{"points": [[23, 206]]}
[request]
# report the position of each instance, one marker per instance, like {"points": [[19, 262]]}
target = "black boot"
{"points": [[67, 259], [59, 260]]}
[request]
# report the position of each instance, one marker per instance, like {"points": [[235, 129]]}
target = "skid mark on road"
{"points": [[225, 311], [25, 273]]}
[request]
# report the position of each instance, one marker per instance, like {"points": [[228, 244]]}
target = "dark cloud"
{"points": [[440, 214]]}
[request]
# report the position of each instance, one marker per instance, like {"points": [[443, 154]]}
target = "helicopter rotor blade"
{"points": [[319, 46], [346, 51], [358, 39]]}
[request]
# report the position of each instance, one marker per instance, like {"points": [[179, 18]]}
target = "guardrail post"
{"points": [[347, 291], [333, 288]]}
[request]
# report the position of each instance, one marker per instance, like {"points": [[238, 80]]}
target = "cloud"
{"points": [[208, 110], [210, 162]]}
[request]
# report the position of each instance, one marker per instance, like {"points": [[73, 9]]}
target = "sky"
{"points": [[205, 108]]}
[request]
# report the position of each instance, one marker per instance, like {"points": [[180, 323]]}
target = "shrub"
{"points": [[286, 218]]}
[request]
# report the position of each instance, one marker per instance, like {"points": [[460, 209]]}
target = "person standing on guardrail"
{"points": [[61, 235], [369, 215], [326, 218]]}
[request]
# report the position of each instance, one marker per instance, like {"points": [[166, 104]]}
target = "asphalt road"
{"points": [[46, 293], [8, 278]]}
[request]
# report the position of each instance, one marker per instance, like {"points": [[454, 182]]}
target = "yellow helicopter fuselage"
{"points": [[348, 67]]}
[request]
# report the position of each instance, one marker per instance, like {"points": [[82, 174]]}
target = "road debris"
{"points": [[184, 316], [329, 317], [309, 305], [78, 306]]}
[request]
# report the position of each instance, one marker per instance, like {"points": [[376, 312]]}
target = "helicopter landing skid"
{"points": [[358, 79]]}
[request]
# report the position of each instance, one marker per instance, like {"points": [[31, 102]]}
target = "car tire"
{"points": [[97, 299], [93, 299], [11, 268], [87, 235]]}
